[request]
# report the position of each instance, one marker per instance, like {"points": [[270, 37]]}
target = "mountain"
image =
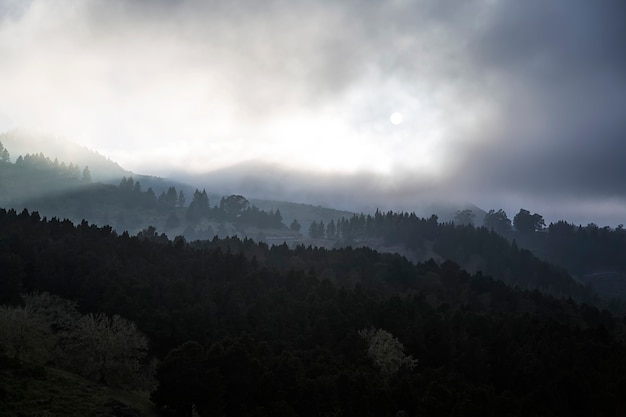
{"points": [[346, 192], [305, 214], [21, 143], [593, 255]]}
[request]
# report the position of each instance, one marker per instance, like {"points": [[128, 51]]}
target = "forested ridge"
{"points": [[523, 252], [241, 328], [476, 248], [57, 189], [529, 255]]}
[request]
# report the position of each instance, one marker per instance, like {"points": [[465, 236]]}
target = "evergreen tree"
{"points": [[313, 229], [464, 217], [181, 199], [199, 207], [277, 219], [321, 229], [331, 230], [295, 226], [497, 221], [171, 197], [4, 154], [127, 184], [86, 174], [149, 198]]}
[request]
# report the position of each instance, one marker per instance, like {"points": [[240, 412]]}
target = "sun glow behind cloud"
{"points": [[495, 95], [201, 97]]}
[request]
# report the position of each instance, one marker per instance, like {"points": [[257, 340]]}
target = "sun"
{"points": [[396, 118]]}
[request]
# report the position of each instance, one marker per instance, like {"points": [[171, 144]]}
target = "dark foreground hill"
{"points": [[265, 331], [31, 390]]}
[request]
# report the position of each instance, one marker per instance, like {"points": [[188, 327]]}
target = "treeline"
{"points": [[36, 174], [580, 249], [235, 209], [57, 189], [246, 329], [171, 203], [40, 162], [5, 156], [478, 249], [595, 254]]}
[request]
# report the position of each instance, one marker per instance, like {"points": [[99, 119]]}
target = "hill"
{"points": [[592, 255], [22, 143], [304, 213], [241, 326], [32, 390]]}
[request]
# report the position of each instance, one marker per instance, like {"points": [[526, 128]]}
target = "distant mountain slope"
{"points": [[36, 176], [304, 213], [342, 191], [20, 142]]}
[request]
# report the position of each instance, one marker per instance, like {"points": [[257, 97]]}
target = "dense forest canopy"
{"points": [[242, 327], [464, 321], [467, 155]]}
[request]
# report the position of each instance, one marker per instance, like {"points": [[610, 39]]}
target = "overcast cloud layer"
{"points": [[506, 103]]}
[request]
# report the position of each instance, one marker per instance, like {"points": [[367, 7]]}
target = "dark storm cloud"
{"points": [[559, 69], [542, 38]]}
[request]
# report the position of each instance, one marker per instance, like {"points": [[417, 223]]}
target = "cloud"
{"points": [[503, 101], [559, 69]]}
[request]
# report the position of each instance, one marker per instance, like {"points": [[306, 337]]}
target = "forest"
{"points": [[280, 208], [234, 327], [375, 314]]}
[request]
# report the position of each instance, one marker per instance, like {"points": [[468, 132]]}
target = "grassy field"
{"points": [[34, 391]]}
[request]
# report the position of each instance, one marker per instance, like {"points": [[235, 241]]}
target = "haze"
{"points": [[503, 103]]}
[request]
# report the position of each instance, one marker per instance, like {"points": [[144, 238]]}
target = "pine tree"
{"points": [[313, 229], [86, 174], [331, 230], [295, 226], [171, 197], [199, 207], [4, 154]]}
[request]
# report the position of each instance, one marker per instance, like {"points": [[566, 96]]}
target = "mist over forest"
{"points": [[203, 302], [323, 209]]}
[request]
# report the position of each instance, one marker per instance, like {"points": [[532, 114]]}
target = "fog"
{"points": [[505, 104]]}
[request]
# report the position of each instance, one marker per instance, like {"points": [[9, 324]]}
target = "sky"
{"points": [[504, 103]]}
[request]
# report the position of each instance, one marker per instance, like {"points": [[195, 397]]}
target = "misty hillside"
{"points": [[339, 191], [65, 192], [36, 175], [312, 208], [305, 214], [22, 143]]}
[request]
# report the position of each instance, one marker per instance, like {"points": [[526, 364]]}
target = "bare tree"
{"points": [[23, 335], [386, 352], [110, 350]]}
